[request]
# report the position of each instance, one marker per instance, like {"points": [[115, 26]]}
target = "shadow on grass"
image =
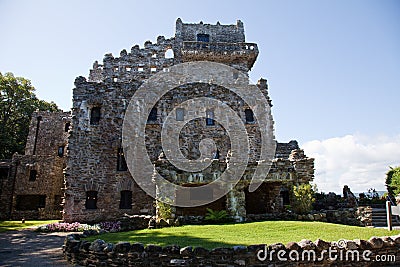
{"points": [[156, 237]]}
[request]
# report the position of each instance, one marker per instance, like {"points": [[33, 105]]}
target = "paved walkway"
{"points": [[28, 248]]}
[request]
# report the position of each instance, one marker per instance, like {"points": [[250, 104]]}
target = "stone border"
{"points": [[100, 253]]}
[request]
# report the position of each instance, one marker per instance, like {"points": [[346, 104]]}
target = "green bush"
{"points": [[164, 210], [303, 198], [216, 216], [393, 181]]}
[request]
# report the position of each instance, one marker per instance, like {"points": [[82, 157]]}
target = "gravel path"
{"points": [[28, 248]]}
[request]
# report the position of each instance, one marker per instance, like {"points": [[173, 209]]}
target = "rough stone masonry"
{"points": [[96, 184]]}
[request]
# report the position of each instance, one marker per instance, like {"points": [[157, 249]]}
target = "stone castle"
{"points": [[74, 165]]}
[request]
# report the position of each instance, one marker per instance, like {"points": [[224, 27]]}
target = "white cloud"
{"points": [[358, 161]]}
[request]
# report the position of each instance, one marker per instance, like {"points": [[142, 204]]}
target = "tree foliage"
{"points": [[393, 181], [17, 103], [303, 198]]}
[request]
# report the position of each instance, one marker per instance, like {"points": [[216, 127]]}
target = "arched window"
{"points": [[91, 200], [169, 53]]}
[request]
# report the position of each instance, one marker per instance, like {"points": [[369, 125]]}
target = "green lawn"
{"points": [[17, 225], [211, 236]]}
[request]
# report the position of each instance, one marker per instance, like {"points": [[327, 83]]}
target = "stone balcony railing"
{"points": [[220, 52]]}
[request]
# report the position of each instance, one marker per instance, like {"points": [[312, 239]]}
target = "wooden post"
{"points": [[389, 215]]}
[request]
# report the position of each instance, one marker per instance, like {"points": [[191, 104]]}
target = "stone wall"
{"points": [[33, 188], [100, 253], [6, 189]]}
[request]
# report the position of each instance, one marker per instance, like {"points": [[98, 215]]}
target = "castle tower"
{"points": [[98, 185]]}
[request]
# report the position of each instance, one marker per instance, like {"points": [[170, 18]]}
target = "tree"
{"points": [[17, 103], [393, 181], [303, 198]]}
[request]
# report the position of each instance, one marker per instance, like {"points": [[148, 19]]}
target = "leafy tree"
{"points": [[393, 181], [303, 198], [17, 103]]}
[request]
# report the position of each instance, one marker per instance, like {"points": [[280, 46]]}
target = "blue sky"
{"points": [[333, 67]]}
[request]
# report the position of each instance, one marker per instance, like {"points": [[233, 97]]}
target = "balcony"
{"points": [[227, 53]]}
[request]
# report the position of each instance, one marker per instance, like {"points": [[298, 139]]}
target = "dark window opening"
{"points": [[66, 127], [249, 115], [30, 202], [32, 175], [152, 115], [91, 200], [121, 162], [126, 199], [60, 151], [285, 197], [95, 115], [210, 117], [201, 37], [216, 154], [4, 173]]}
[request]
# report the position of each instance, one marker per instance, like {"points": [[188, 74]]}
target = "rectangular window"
{"points": [[95, 115], [121, 162], [201, 37], [180, 114], [152, 115], [91, 200], [32, 175], [210, 117], [126, 199], [249, 115]]}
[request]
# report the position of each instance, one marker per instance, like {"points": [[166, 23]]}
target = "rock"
{"points": [[240, 262], [306, 244], [375, 242], [292, 246], [351, 245], [396, 239], [97, 245], [186, 251], [122, 247], [322, 245], [153, 248], [137, 247], [200, 252], [388, 242], [222, 251], [239, 249], [109, 247], [171, 249], [362, 244]]}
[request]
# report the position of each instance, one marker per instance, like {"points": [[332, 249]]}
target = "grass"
{"points": [[211, 236], [17, 225]]}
